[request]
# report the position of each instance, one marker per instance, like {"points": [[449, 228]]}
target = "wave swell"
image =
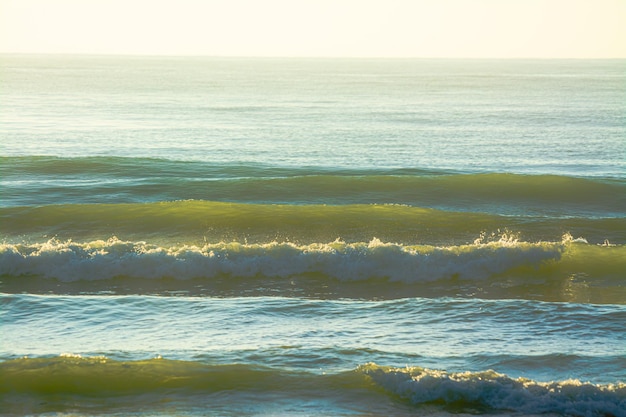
{"points": [[50, 180], [199, 221], [486, 392]]}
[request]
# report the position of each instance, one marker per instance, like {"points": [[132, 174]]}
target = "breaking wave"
{"points": [[71, 261], [489, 391], [77, 377]]}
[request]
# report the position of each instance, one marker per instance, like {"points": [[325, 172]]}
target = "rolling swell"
{"points": [[51, 180], [94, 219], [195, 222], [369, 385]]}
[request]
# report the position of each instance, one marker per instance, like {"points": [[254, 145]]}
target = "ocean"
{"points": [[199, 236]]}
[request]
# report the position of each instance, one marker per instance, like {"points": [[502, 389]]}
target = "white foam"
{"points": [[500, 392], [71, 261]]}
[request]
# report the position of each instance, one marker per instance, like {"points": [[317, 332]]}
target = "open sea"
{"points": [[312, 237]]}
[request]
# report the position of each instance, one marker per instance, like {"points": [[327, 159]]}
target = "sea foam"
{"points": [[494, 391], [72, 261]]}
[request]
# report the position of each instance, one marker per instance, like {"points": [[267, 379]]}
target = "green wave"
{"points": [[74, 374], [195, 222], [559, 271], [48, 180], [88, 381]]}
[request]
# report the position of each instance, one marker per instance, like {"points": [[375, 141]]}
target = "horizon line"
{"points": [[377, 57]]}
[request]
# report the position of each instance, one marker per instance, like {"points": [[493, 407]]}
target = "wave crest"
{"points": [[493, 391], [72, 261], [485, 391]]}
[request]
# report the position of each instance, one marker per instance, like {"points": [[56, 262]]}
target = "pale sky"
{"points": [[347, 28]]}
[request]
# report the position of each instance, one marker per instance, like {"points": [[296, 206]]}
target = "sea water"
{"points": [[356, 237]]}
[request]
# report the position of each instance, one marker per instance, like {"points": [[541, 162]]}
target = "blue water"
{"points": [[204, 236], [563, 117]]}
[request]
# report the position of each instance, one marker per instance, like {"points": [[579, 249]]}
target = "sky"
{"points": [[318, 28]]}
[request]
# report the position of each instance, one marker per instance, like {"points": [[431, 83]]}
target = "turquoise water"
{"points": [[203, 236]]}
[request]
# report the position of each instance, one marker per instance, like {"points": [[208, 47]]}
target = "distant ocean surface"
{"points": [[324, 237]]}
